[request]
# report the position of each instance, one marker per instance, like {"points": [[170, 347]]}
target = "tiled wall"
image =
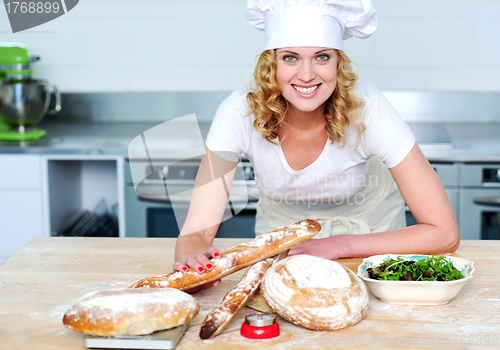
{"points": [[195, 45]]}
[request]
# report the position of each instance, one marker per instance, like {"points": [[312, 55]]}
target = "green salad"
{"points": [[433, 268]]}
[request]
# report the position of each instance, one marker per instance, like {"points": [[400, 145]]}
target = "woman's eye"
{"points": [[289, 58], [323, 57]]}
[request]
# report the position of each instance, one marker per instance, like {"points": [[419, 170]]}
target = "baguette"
{"points": [[219, 318], [237, 257]]}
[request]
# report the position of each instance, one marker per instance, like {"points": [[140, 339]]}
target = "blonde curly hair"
{"points": [[269, 106]]}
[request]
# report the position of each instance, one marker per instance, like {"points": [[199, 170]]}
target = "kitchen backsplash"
{"points": [[421, 106], [196, 45], [138, 106]]}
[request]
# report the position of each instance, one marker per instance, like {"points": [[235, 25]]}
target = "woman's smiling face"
{"points": [[307, 76]]}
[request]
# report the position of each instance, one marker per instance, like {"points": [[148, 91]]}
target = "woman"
{"points": [[316, 136]]}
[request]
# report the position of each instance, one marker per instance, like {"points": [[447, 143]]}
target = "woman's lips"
{"points": [[306, 90]]}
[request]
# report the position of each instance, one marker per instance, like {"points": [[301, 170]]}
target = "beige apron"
{"points": [[377, 207]]}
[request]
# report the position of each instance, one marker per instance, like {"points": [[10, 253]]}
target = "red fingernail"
{"points": [[201, 269], [209, 266], [216, 254], [184, 268]]}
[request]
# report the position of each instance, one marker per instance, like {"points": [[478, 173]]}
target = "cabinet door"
{"points": [[20, 219], [20, 171]]}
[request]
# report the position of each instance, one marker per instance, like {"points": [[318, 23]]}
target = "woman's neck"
{"points": [[305, 120]]}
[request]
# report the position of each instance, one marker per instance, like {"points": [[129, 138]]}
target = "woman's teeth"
{"points": [[306, 90]]}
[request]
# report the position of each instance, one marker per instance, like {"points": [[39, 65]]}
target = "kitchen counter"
{"points": [[84, 138], [45, 277], [446, 142]]}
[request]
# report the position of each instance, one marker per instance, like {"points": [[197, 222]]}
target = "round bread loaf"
{"points": [[130, 311], [315, 293]]}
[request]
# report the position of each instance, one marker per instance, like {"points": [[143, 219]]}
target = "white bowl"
{"points": [[415, 292]]}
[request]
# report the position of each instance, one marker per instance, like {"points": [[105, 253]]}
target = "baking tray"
{"points": [[155, 341]]}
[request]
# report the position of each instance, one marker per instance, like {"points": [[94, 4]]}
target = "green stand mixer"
{"points": [[24, 101]]}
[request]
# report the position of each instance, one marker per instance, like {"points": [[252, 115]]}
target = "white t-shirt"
{"points": [[337, 174]]}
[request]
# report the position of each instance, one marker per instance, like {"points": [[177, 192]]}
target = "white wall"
{"points": [[196, 45]]}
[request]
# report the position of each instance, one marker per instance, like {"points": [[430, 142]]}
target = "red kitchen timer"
{"points": [[260, 325]]}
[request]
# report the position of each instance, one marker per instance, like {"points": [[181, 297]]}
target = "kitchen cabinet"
{"points": [[83, 183], [20, 172], [38, 193], [21, 209]]}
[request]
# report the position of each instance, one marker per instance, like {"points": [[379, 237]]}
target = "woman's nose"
{"points": [[306, 71]]}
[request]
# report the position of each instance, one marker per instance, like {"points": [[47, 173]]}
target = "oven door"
{"points": [[156, 218], [480, 214], [479, 198], [162, 222]]}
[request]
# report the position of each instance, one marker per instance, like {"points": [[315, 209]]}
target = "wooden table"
{"points": [[44, 278]]}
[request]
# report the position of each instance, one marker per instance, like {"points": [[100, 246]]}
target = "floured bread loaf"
{"points": [[130, 311], [315, 293]]}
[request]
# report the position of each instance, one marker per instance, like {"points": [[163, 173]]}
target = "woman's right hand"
{"points": [[200, 263]]}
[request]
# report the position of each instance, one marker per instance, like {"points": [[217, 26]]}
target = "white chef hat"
{"points": [[316, 23]]}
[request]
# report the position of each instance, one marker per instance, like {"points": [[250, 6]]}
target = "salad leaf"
{"points": [[433, 268]]}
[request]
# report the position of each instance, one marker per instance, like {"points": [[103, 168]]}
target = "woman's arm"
{"points": [[208, 202], [436, 231]]}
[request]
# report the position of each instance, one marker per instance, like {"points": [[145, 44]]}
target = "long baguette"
{"points": [[219, 318], [238, 257]]}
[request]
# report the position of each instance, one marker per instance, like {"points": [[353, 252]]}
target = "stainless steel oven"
{"points": [[480, 201], [151, 212]]}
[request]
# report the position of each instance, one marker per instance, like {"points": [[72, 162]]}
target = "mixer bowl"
{"points": [[23, 105]]}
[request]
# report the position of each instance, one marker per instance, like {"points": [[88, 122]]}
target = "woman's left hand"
{"points": [[326, 248]]}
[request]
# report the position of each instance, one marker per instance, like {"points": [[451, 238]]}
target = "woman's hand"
{"points": [[200, 263]]}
